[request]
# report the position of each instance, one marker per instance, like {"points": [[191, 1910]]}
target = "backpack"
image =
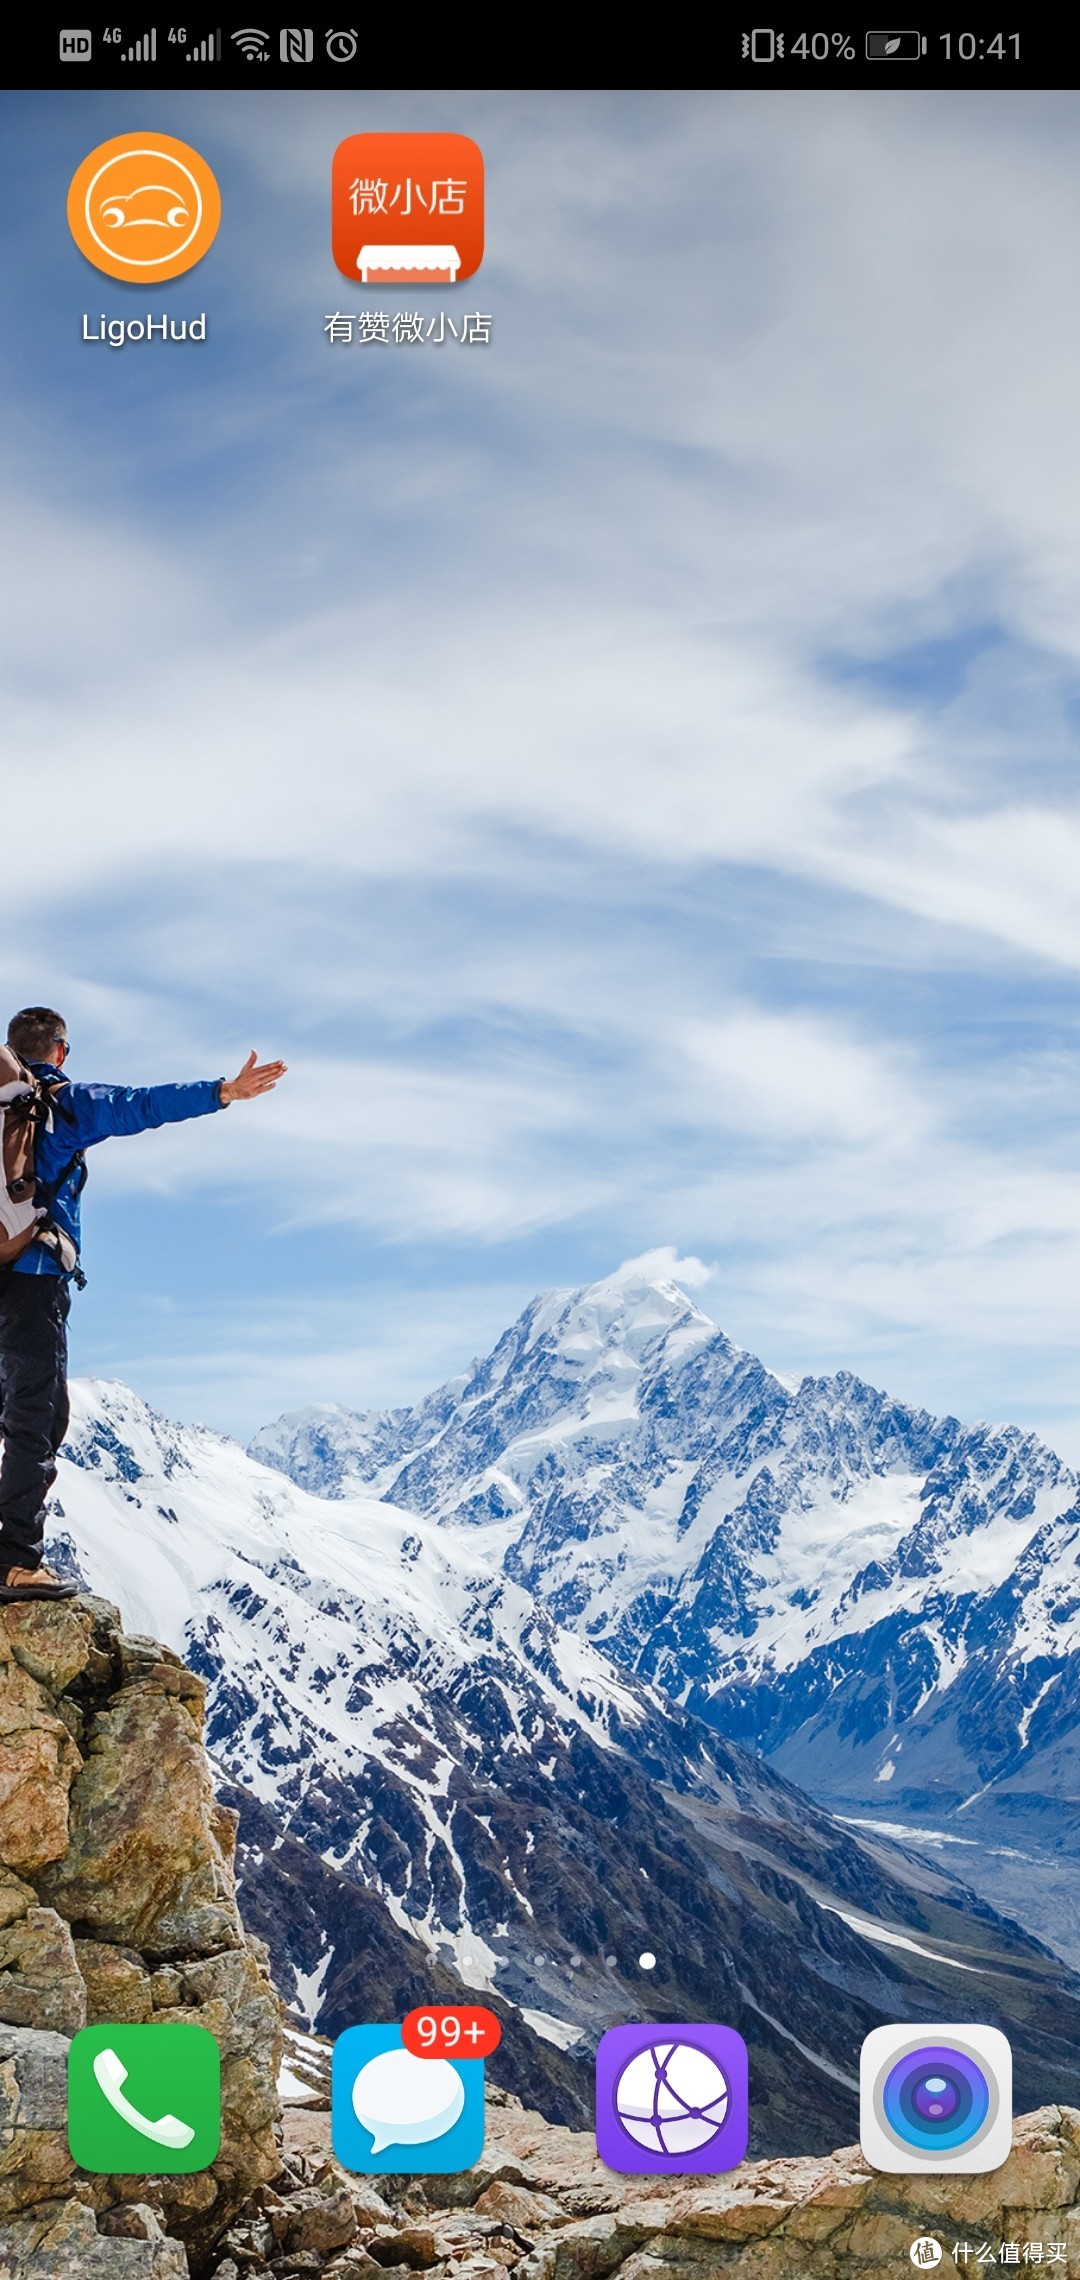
{"points": [[29, 1104]]}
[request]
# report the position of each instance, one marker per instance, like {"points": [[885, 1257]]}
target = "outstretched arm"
{"points": [[252, 1080], [86, 1114]]}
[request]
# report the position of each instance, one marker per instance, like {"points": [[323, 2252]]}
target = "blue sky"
{"points": [[629, 771]]}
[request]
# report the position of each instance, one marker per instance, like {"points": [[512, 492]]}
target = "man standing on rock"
{"points": [[34, 1289]]}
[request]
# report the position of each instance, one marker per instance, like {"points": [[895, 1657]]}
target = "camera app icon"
{"points": [[936, 2099]]}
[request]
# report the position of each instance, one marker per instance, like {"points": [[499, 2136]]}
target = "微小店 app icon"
{"points": [[144, 208], [144, 2101], [672, 2101], [408, 209], [935, 2099], [392, 2111]]}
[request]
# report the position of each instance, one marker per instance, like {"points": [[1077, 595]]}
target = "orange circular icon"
{"points": [[143, 208]]}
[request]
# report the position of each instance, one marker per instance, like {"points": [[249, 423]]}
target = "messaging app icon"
{"points": [[144, 2101], [392, 2111]]}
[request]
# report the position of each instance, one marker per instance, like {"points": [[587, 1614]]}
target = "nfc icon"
{"points": [[297, 45], [75, 47]]}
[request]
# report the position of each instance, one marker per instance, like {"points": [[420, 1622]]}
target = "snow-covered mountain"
{"points": [[886, 1602], [430, 1765]]}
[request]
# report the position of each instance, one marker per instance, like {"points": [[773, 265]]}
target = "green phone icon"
{"points": [[144, 2101]]}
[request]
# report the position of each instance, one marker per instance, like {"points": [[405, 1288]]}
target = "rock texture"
{"points": [[117, 1902], [541, 2206]]}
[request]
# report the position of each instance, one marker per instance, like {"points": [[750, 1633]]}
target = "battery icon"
{"points": [[894, 47]]}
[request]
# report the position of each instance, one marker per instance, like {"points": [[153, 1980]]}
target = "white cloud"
{"points": [[480, 722], [663, 1264], [787, 1077]]}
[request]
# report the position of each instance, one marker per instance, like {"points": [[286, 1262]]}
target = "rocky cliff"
{"points": [[117, 1902], [540, 2206]]}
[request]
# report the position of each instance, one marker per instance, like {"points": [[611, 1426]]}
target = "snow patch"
{"points": [[552, 2030], [868, 1930]]}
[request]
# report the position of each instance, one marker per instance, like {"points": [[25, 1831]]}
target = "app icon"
{"points": [[408, 209], [672, 2101], [144, 208], [936, 2099], [392, 2111], [144, 2101]]}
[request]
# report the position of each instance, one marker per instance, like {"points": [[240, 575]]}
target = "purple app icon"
{"points": [[672, 2101]]}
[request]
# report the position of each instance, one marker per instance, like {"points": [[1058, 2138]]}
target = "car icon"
{"points": [[152, 206]]}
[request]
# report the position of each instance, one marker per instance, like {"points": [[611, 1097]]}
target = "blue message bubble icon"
{"points": [[394, 2114]]}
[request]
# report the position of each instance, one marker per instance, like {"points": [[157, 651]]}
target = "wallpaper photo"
{"points": [[605, 1426]]}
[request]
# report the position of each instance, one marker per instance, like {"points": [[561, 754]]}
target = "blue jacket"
{"points": [[85, 1114]]}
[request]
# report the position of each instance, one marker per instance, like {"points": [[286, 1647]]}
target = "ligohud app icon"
{"points": [[144, 208]]}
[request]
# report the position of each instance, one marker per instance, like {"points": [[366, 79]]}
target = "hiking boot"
{"points": [[34, 1583]]}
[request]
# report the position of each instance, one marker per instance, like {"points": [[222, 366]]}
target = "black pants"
{"points": [[33, 1408]]}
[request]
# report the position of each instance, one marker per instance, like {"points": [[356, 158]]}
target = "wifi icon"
{"points": [[252, 43]]}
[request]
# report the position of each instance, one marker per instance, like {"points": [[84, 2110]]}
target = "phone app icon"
{"points": [[144, 208], [407, 209], [935, 2099], [672, 2101], [144, 2101], [392, 2111]]}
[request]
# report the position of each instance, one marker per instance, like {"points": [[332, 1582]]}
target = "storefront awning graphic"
{"points": [[388, 264]]}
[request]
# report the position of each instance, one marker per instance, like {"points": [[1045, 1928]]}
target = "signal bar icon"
{"points": [[252, 43], [142, 50], [205, 51]]}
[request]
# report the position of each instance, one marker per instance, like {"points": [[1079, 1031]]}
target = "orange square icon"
{"points": [[408, 209]]}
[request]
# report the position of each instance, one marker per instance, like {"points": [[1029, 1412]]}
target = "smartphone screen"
{"points": [[539, 1519]]}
